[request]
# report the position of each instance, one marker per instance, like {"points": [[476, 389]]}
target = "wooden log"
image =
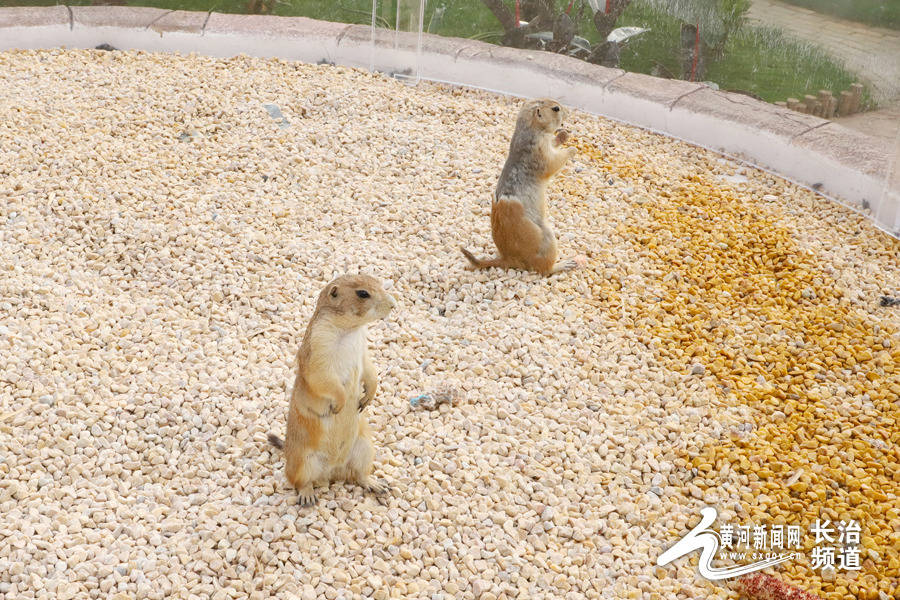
{"points": [[830, 109], [856, 94], [810, 101], [793, 103], [843, 108], [781, 104], [825, 98]]}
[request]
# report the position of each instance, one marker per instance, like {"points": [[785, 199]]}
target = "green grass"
{"points": [[756, 60], [659, 45], [882, 13], [786, 68]]}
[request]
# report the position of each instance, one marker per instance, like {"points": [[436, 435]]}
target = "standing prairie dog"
{"points": [[327, 437], [519, 224]]}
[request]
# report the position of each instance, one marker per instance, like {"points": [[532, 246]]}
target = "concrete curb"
{"points": [[847, 165]]}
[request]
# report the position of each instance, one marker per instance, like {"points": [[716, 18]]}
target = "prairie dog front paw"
{"points": [[336, 406]]}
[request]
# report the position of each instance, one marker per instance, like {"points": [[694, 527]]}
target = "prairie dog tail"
{"points": [[276, 441], [483, 263]]}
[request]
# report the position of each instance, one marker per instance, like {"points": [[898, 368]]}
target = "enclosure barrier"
{"points": [[857, 170]]}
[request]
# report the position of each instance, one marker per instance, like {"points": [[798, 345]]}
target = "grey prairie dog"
{"points": [[519, 223], [328, 439]]}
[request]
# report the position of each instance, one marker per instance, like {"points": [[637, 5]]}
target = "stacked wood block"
{"points": [[812, 105], [826, 105]]}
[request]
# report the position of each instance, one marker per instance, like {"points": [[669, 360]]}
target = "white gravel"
{"points": [[163, 241]]}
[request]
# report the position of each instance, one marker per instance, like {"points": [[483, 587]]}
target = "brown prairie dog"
{"points": [[327, 437], [519, 223]]}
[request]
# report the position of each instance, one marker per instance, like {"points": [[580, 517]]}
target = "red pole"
{"points": [[517, 14]]}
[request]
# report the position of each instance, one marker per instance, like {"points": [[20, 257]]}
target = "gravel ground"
{"points": [[163, 243]]}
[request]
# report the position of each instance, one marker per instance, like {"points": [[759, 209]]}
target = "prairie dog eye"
{"points": [[362, 293], [555, 109]]}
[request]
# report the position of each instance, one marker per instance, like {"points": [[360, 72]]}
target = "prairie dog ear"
{"points": [[333, 293], [537, 112]]}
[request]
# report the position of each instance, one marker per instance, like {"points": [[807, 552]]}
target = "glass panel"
{"points": [[397, 37], [887, 214]]}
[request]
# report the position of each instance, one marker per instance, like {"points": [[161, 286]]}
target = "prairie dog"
{"points": [[519, 224], [327, 437]]}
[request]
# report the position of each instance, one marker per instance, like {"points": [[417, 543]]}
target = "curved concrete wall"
{"points": [[851, 167]]}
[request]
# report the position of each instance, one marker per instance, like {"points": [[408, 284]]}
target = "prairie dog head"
{"points": [[543, 114], [351, 301]]}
